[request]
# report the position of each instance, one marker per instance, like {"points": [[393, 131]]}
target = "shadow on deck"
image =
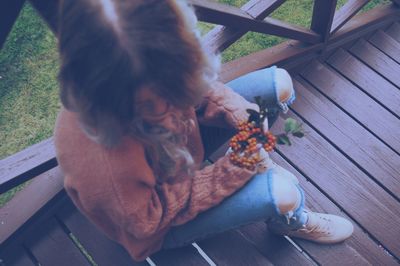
{"points": [[348, 164]]}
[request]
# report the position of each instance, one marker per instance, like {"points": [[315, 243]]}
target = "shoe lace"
{"points": [[317, 224]]}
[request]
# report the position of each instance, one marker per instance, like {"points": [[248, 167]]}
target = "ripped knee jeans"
{"points": [[274, 197]]}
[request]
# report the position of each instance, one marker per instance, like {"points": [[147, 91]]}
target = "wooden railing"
{"points": [[329, 29]]}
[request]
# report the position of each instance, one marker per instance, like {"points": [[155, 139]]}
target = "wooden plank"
{"points": [[355, 102], [359, 249], [184, 256], [367, 79], [26, 164], [279, 54], [231, 248], [100, 248], [29, 201], [276, 249], [352, 139], [52, 246], [323, 12], [15, 256], [364, 23], [394, 31], [377, 60], [9, 11], [271, 246], [386, 44], [221, 37], [346, 12], [217, 13], [346, 185]]}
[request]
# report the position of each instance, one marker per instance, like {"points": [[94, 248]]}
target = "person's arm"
{"points": [[222, 107], [139, 207]]}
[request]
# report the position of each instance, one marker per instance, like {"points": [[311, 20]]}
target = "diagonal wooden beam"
{"points": [[346, 12], [48, 10], [9, 11], [221, 37], [217, 13]]}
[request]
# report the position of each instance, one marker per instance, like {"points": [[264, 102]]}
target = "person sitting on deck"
{"points": [[136, 83]]}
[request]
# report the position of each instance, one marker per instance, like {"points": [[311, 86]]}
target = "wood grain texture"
{"points": [[184, 256], [354, 140], [380, 121], [101, 249], [231, 248], [276, 248], [214, 12], [386, 44], [346, 12], [364, 23], [280, 54], [377, 60], [359, 249], [221, 37], [322, 17], [26, 164], [394, 31], [52, 246], [15, 256], [346, 185], [367, 79], [29, 201]]}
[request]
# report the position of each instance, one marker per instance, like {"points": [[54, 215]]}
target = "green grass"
{"points": [[298, 12], [28, 87], [29, 65]]}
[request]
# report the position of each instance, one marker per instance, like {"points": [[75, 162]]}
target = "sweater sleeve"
{"points": [[222, 107], [137, 205], [147, 208]]}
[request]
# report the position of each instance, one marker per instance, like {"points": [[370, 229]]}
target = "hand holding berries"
{"points": [[250, 146]]}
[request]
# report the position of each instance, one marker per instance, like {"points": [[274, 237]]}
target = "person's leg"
{"points": [[266, 197], [273, 84]]}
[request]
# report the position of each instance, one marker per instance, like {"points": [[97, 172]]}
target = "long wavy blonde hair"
{"points": [[111, 48]]}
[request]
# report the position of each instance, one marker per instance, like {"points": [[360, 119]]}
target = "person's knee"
{"points": [[286, 195], [284, 84]]}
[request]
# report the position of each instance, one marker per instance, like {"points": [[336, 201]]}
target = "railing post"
{"points": [[322, 17]]}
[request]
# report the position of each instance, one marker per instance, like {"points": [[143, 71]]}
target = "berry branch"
{"points": [[251, 133]]}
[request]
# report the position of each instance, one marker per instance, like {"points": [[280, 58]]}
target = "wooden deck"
{"points": [[348, 164]]}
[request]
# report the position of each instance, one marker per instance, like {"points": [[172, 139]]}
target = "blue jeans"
{"points": [[254, 202]]}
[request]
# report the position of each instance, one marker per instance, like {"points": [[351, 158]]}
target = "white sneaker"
{"points": [[321, 228]]}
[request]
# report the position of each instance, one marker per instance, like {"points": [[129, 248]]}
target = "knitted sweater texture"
{"points": [[116, 189]]}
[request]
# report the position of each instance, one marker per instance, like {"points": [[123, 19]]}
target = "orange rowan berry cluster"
{"points": [[244, 144], [270, 144]]}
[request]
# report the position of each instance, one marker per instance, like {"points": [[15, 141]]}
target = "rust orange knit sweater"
{"points": [[117, 190]]}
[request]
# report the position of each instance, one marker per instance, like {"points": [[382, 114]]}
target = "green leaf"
{"points": [[290, 125], [254, 116], [298, 128], [298, 134], [283, 139]]}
